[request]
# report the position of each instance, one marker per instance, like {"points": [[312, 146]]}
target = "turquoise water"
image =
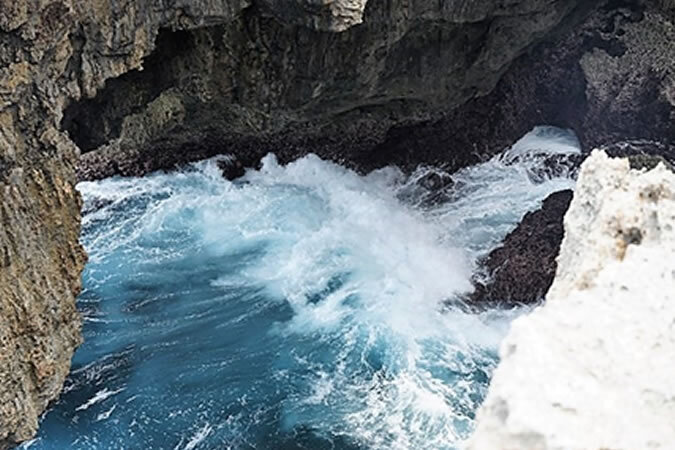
{"points": [[299, 307]]}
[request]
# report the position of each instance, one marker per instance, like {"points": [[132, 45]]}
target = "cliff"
{"points": [[446, 84], [258, 84], [592, 368], [51, 52], [220, 73], [139, 85]]}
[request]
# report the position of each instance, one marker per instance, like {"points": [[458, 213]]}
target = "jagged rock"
{"points": [[522, 268], [255, 84], [402, 96], [231, 168], [610, 79], [642, 153], [592, 368]]}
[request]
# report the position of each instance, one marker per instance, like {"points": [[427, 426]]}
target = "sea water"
{"points": [[299, 307]]}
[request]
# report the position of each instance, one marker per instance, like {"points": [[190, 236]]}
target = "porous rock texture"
{"points": [[224, 72], [593, 368], [145, 84], [51, 52], [522, 268]]}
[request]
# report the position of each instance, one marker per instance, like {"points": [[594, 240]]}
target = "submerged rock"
{"points": [[521, 270], [593, 367], [231, 168]]}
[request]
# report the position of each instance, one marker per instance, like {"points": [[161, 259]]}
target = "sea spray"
{"points": [[298, 307]]}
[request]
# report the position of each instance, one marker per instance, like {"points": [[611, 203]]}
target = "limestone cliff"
{"points": [[610, 78], [260, 84], [592, 368], [42, 65], [448, 83]]}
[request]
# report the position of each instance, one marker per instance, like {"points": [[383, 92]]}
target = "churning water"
{"points": [[298, 307]]}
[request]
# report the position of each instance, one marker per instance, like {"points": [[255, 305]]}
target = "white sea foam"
{"points": [[365, 263], [100, 396], [197, 438]]}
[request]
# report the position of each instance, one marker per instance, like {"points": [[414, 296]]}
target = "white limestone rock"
{"points": [[594, 368]]}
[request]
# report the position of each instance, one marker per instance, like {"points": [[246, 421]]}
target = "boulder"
{"points": [[521, 269]]}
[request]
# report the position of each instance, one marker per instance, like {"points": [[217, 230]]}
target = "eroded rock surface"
{"points": [[592, 368], [609, 79], [261, 83], [364, 83], [522, 268], [433, 83]]}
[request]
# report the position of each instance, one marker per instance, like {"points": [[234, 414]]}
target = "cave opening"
{"points": [[93, 122]]}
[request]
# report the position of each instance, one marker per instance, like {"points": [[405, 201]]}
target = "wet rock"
{"points": [[427, 187], [643, 154], [435, 181], [231, 168], [543, 167], [604, 337], [522, 268]]}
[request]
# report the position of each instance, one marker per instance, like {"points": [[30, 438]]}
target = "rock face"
{"points": [[51, 52], [609, 78], [522, 269], [643, 153], [592, 368], [431, 83], [258, 84]]}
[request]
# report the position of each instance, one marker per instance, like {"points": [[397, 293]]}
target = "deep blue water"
{"points": [[299, 307]]}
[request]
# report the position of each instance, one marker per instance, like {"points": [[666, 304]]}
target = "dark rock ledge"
{"points": [[522, 269]]}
